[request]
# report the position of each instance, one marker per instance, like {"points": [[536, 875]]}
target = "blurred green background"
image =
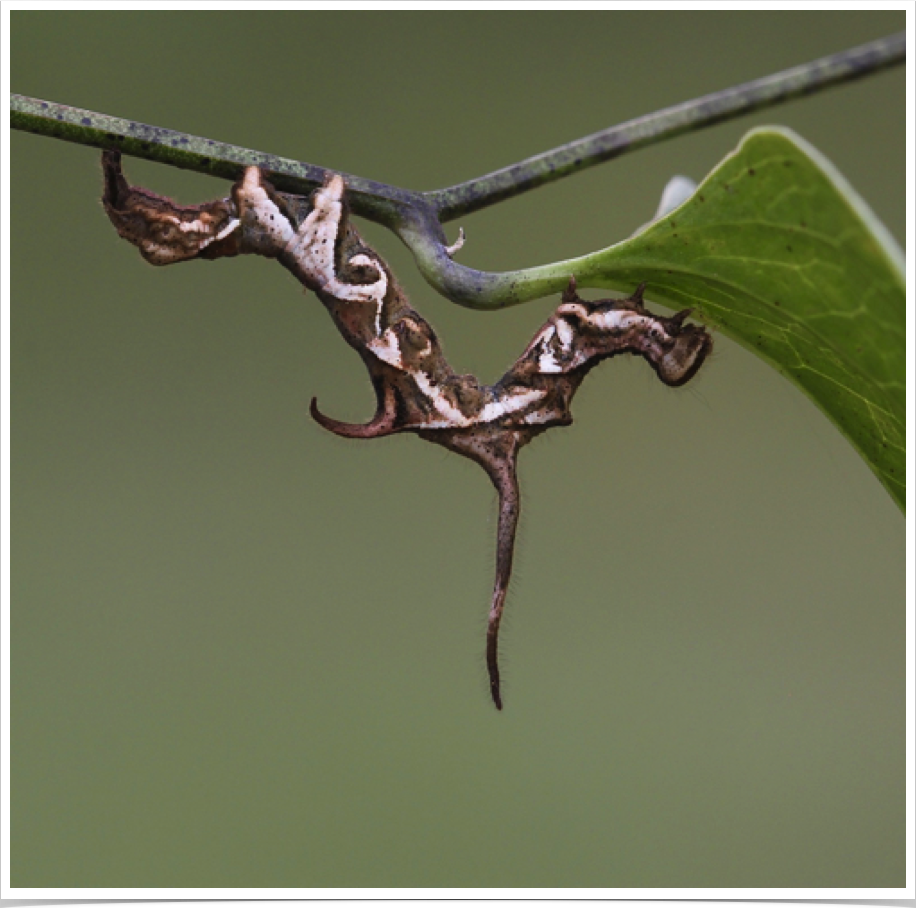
{"points": [[248, 653]]}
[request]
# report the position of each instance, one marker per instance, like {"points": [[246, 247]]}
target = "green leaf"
{"points": [[778, 252]]}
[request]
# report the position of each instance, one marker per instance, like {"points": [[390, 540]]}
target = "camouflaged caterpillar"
{"points": [[416, 389]]}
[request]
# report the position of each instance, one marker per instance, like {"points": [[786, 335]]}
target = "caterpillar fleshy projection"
{"points": [[416, 389]]}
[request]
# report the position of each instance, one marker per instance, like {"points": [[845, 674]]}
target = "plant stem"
{"points": [[665, 124], [376, 201], [417, 216]]}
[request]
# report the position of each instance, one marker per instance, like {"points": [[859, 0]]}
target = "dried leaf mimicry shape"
{"points": [[415, 387]]}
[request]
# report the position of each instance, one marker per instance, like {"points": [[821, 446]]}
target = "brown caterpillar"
{"points": [[416, 389]]}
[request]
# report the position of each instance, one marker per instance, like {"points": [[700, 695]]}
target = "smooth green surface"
{"points": [[778, 252], [248, 653]]}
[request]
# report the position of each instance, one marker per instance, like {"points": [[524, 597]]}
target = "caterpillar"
{"points": [[416, 389]]}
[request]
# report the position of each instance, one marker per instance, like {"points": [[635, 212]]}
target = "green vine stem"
{"points": [[665, 124], [417, 216]]}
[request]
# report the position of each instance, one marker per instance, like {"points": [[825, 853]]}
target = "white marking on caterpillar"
{"points": [[221, 235], [227, 229], [162, 255], [565, 333], [538, 417], [443, 407], [620, 320], [388, 349], [313, 244], [188, 226], [455, 419], [252, 195], [576, 309], [313, 248], [548, 363], [383, 281], [511, 404]]}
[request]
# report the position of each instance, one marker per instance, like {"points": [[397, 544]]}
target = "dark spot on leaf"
{"points": [[751, 172], [788, 248], [776, 302]]}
